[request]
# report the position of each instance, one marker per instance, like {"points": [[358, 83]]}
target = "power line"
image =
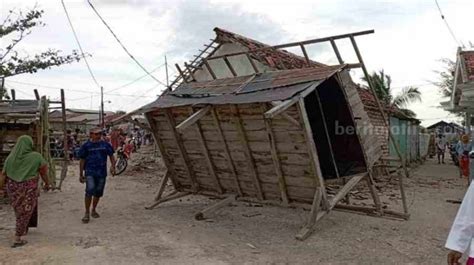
{"points": [[447, 25], [79, 44], [136, 80], [123, 46]]}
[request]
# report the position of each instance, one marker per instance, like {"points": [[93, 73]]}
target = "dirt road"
{"points": [[128, 234]]}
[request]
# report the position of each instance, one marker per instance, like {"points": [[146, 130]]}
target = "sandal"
{"points": [[19, 244], [85, 219], [95, 215]]}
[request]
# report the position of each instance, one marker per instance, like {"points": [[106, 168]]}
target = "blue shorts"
{"points": [[95, 186]]}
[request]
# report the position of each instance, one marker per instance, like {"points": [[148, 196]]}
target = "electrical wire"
{"points": [[447, 25], [136, 80], [79, 44], [123, 46]]}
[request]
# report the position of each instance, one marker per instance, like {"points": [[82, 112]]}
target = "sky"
{"points": [[409, 40]]}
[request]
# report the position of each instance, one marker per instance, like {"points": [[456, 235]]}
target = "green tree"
{"points": [[382, 86], [445, 81], [13, 30]]}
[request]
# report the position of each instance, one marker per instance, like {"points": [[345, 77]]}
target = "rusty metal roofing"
{"points": [[468, 59], [266, 87]]}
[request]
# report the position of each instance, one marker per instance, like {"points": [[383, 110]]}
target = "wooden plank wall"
{"points": [[370, 143], [289, 140], [9, 133]]}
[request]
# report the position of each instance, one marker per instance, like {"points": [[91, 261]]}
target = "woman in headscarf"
{"points": [[21, 170]]}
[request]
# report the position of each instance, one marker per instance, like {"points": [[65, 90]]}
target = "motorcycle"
{"points": [[123, 155]]}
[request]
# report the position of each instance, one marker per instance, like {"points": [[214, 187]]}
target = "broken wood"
{"points": [[222, 203], [173, 196], [193, 119]]}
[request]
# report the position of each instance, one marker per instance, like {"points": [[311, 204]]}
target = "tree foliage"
{"points": [[13, 30], [445, 81], [382, 86]]}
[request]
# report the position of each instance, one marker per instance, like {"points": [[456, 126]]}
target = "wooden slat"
{"points": [[303, 49], [37, 96], [161, 147], [275, 158], [313, 153], [193, 119], [288, 117], [205, 151], [209, 69], [336, 51], [229, 65], [190, 71], [280, 107], [226, 150], [181, 149], [248, 152], [181, 73], [345, 189]]}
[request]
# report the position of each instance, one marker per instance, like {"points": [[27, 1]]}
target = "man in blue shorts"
{"points": [[93, 170]]}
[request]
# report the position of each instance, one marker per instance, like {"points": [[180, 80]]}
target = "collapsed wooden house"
{"points": [[29, 117], [253, 122]]}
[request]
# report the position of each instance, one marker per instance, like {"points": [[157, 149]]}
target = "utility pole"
{"points": [[101, 107], [167, 78]]}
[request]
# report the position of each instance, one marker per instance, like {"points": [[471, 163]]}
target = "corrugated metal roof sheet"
{"points": [[271, 86]]}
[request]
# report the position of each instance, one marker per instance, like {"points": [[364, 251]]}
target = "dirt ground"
{"points": [[126, 233]]}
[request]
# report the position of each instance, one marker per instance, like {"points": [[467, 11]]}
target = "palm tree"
{"points": [[382, 86]]}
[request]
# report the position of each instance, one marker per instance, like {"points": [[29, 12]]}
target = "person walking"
{"points": [[441, 147], [93, 170], [20, 175], [463, 148]]}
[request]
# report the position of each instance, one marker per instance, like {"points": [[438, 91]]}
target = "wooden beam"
{"points": [[209, 69], [159, 142], [287, 116], [181, 149], [292, 44], [314, 216], [193, 119], [65, 142], [345, 189], [173, 196], [222, 203], [313, 153], [190, 71], [306, 57], [181, 73], [275, 158], [162, 186], [373, 192], [248, 152], [336, 51], [276, 110], [37, 96], [12, 92], [226, 150], [402, 192], [207, 155], [229, 65], [252, 63]]}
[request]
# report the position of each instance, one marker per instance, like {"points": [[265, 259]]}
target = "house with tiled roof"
{"points": [[248, 121]]}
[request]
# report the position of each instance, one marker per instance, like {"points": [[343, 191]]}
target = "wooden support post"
{"points": [[229, 65], [181, 73], [314, 215], [331, 151], [222, 203], [252, 63], [248, 152], [159, 143], [13, 94], [275, 158], [336, 51], [313, 153], [345, 189], [303, 49], [65, 145], [373, 192], [226, 150], [190, 71], [181, 149], [379, 105], [402, 192], [172, 196], [194, 118], [207, 155], [37, 96], [162, 187], [288, 117], [280, 107], [209, 69]]}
